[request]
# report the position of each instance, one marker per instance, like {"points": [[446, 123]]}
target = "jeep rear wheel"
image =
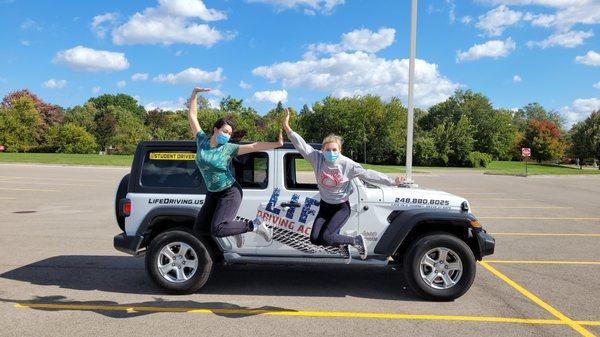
{"points": [[439, 266], [179, 261]]}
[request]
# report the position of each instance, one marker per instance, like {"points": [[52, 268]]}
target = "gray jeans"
{"points": [[219, 211]]}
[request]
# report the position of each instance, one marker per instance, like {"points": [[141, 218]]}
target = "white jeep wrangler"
{"points": [[431, 234]]}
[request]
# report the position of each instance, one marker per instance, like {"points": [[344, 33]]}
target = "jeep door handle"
{"points": [[290, 204]]}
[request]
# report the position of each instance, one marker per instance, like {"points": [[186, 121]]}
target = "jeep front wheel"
{"points": [[439, 267], [179, 261]]}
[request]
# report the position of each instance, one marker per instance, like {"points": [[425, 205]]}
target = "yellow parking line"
{"points": [[511, 199], [241, 311], [523, 207], [341, 314], [574, 325], [543, 262], [546, 234], [40, 183], [534, 218], [5, 198], [26, 189]]}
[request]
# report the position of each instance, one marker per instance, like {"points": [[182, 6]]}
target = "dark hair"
{"points": [[236, 135]]}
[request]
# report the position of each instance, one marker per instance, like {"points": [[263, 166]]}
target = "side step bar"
{"points": [[232, 258]]}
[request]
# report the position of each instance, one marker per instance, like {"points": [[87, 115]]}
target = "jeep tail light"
{"points": [[475, 224], [125, 207]]}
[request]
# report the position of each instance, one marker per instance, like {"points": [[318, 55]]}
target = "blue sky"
{"points": [[514, 51]]}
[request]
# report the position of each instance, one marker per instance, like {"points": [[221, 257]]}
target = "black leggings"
{"points": [[219, 210], [330, 219]]}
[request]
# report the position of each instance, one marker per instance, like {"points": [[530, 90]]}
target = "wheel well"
{"points": [[425, 227], [163, 223]]}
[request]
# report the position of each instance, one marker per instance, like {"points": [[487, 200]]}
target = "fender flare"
{"points": [[148, 221], [403, 222]]}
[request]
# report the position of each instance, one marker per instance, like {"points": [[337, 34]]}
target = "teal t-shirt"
{"points": [[213, 163]]}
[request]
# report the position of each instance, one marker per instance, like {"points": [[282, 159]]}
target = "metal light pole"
{"points": [[411, 89]]}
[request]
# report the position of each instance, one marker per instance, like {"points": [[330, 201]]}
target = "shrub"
{"points": [[479, 159]]}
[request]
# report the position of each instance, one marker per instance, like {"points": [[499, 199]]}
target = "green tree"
{"points": [[123, 101], [82, 115], [20, 125], [70, 138]]}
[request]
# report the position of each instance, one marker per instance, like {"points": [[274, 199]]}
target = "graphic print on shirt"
{"points": [[331, 178]]}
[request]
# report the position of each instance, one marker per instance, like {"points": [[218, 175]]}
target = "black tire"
{"points": [[201, 249], [121, 193], [418, 249]]}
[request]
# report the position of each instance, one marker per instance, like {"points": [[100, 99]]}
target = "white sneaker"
{"points": [[262, 230], [239, 240], [345, 252]]}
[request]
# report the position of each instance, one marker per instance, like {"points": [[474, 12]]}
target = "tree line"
{"points": [[464, 130]]}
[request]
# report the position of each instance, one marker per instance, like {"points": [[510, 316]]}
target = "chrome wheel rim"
{"points": [[441, 268], [177, 262]]}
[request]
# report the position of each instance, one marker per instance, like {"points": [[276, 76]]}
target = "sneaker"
{"points": [[361, 246], [239, 240], [345, 252], [261, 229]]}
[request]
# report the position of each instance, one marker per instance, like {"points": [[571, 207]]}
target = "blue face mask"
{"points": [[331, 155], [222, 138]]}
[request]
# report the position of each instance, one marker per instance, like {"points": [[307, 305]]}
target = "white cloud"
{"points": [[191, 76], [25, 43], [167, 105], [171, 22], [497, 20], [590, 59], [567, 12], [245, 85], [274, 96], [54, 84], [121, 84], [597, 85], [569, 39], [30, 24], [87, 59], [580, 109], [102, 23], [359, 73], [492, 48], [310, 7], [191, 8], [466, 19], [517, 78], [96, 90], [139, 77], [357, 40]]}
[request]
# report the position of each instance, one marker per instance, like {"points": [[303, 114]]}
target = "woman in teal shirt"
{"points": [[213, 156]]}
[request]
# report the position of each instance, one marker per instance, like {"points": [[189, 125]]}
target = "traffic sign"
{"points": [[526, 152]]}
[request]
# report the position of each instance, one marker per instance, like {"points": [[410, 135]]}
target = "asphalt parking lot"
{"points": [[60, 275]]}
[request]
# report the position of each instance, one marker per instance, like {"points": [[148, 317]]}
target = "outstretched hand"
{"points": [[286, 120], [199, 89], [399, 180]]}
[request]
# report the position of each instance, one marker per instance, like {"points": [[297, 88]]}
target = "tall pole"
{"points": [[411, 92]]}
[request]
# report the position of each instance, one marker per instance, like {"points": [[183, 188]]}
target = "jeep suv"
{"points": [[431, 234]]}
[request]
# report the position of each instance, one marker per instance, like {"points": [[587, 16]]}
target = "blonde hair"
{"points": [[333, 138]]}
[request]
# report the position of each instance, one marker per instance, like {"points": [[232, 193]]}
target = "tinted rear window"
{"points": [[170, 169]]}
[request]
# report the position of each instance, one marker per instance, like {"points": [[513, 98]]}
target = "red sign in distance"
{"points": [[526, 152]]}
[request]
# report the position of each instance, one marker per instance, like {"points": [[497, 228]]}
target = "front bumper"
{"points": [[128, 244], [486, 242]]}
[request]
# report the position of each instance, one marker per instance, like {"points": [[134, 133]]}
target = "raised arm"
{"points": [[373, 176], [299, 143], [193, 110], [259, 146]]}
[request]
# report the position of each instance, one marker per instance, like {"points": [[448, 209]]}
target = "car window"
{"points": [[298, 173], [170, 169], [252, 170]]}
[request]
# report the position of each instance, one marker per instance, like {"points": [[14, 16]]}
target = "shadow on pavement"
{"points": [[159, 305], [125, 274]]}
